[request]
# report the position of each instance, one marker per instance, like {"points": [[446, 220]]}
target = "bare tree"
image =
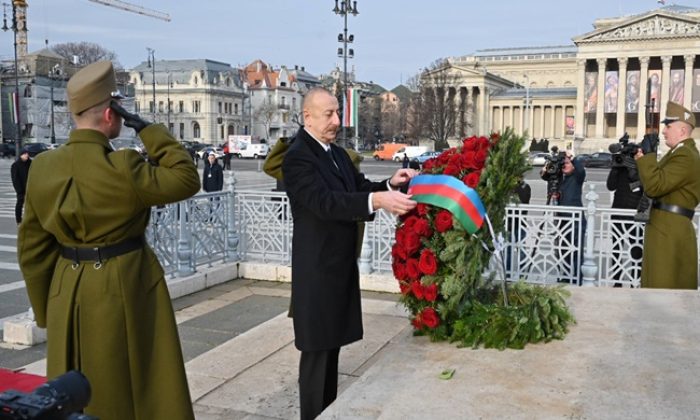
{"points": [[87, 53], [435, 103], [265, 114]]}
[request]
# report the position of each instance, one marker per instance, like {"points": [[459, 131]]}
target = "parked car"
{"points": [[36, 148], [7, 150], [386, 150], [425, 156], [538, 159], [597, 160], [409, 151], [217, 151]]}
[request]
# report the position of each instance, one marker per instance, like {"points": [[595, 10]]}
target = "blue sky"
{"points": [[393, 39]]}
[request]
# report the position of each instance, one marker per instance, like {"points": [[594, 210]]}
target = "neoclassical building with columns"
{"points": [[615, 79]]}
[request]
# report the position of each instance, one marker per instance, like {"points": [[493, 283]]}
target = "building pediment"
{"points": [[654, 25]]}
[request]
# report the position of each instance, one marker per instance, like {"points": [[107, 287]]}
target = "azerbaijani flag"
{"points": [[451, 194], [350, 108]]}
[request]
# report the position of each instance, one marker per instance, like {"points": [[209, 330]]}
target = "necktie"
{"points": [[330, 155]]}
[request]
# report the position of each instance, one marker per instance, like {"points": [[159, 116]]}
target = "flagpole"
{"points": [[498, 251]]}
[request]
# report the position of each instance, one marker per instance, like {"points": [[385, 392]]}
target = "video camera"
{"points": [[555, 163], [58, 399], [623, 152]]}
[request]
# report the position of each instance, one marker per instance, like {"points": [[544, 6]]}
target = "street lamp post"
{"points": [[345, 9], [15, 102], [55, 71], [168, 105], [152, 66]]}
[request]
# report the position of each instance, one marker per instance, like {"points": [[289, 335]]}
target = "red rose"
{"points": [[404, 287], [417, 289], [422, 209], [469, 159], [480, 157], [399, 251], [422, 228], [484, 143], [427, 262], [409, 222], [412, 242], [452, 170], [412, 270], [430, 318], [430, 292], [469, 143], [443, 221], [400, 235], [399, 270], [416, 322], [471, 180], [429, 164]]}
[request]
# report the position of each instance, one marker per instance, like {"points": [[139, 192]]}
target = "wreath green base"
{"points": [[534, 314]]}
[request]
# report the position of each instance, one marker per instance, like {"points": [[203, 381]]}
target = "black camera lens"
{"points": [[72, 389]]}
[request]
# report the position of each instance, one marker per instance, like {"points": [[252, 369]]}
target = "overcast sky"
{"points": [[393, 38]]}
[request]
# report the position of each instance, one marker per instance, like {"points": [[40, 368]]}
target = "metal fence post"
{"points": [[185, 264], [589, 268], [366, 252], [233, 238]]}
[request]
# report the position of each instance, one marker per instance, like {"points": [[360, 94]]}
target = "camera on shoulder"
{"points": [[623, 152]]}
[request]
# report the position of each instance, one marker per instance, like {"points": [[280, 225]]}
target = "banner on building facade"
{"points": [[570, 125], [696, 91], [350, 108], [676, 89], [632, 91], [654, 90], [611, 83], [12, 106], [590, 94]]}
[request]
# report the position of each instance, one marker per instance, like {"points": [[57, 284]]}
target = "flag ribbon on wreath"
{"points": [[449, 193]]}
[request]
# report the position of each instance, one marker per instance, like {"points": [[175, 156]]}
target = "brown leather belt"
{"points": [[78, 254], [672, 208]]}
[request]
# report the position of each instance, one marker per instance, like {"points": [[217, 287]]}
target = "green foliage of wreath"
{"points": [[439, 265]]}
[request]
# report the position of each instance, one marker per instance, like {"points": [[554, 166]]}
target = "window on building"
{"points": [[195, 130], [170, 106], [195, 107], [160, 106], [235, 109], [221, 132], [182, 131], [137, 107], [181, 106], [283, 84], [151, 107], [220, 108], [171, 127], [283, 101], [285, 117]]}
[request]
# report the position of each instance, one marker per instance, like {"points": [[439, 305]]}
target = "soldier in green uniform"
{"points": [[670, 246], [93, 281]]}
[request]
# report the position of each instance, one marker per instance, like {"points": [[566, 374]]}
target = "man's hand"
{"points": [[130, 120], [394, 202], [401, 177], [650, 143]]}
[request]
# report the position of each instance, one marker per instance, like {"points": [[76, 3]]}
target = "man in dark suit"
{"points": [[328, 196]]}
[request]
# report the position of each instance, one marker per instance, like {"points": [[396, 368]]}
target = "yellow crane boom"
{"points": [[129, 7]]}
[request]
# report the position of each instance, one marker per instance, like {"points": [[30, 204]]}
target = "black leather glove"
{"points": [[130, 120], [650, 143]]}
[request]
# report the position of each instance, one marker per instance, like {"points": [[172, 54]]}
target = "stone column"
{"points": [[599, 113], [562, 122], [553, 123], [483, 108], [643, 78], [621, 93], [665, 84], [580, 90], [688, 83], [543, 131]]}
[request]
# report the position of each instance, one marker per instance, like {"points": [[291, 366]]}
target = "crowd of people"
{"points": [[98, 288]]}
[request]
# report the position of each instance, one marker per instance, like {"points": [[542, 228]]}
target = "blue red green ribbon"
{"points": [[451, 194]]}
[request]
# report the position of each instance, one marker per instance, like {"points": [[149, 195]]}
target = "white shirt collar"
{"points": [[326, 147]]}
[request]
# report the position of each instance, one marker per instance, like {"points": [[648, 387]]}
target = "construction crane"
{"points": [[129, 7]]}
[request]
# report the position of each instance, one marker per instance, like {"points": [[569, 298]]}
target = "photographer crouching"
{"points": [[565, 176], [670, 246], [623, 179]]}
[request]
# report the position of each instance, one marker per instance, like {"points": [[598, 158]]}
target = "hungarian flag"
{"points": [[451, 194], [350, 108], [12, 106]]}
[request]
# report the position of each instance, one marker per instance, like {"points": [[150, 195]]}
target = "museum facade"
{"points": [[614, 79]]}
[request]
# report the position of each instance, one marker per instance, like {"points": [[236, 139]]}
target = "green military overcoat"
{"points": [[670, 246], [114, 323]]}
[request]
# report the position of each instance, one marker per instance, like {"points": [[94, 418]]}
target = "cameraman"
{"points": [[670, 246], [619, 180], [571, 178]]}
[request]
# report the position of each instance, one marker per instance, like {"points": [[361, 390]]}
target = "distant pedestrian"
{"points": [[404, 163], [213, 176], [227, 157], [20, 172]]}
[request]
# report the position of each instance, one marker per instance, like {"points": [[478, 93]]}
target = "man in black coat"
{"points": [[213, 175], [20, 172], [328, 196]]}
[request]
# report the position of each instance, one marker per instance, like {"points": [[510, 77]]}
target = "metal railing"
{"points": [[588, 245]]}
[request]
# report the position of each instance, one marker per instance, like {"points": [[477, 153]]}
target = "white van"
{"points": [[410, 151], [254, 151]]}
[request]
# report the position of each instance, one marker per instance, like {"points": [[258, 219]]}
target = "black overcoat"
{"points": [[326, 202]]}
